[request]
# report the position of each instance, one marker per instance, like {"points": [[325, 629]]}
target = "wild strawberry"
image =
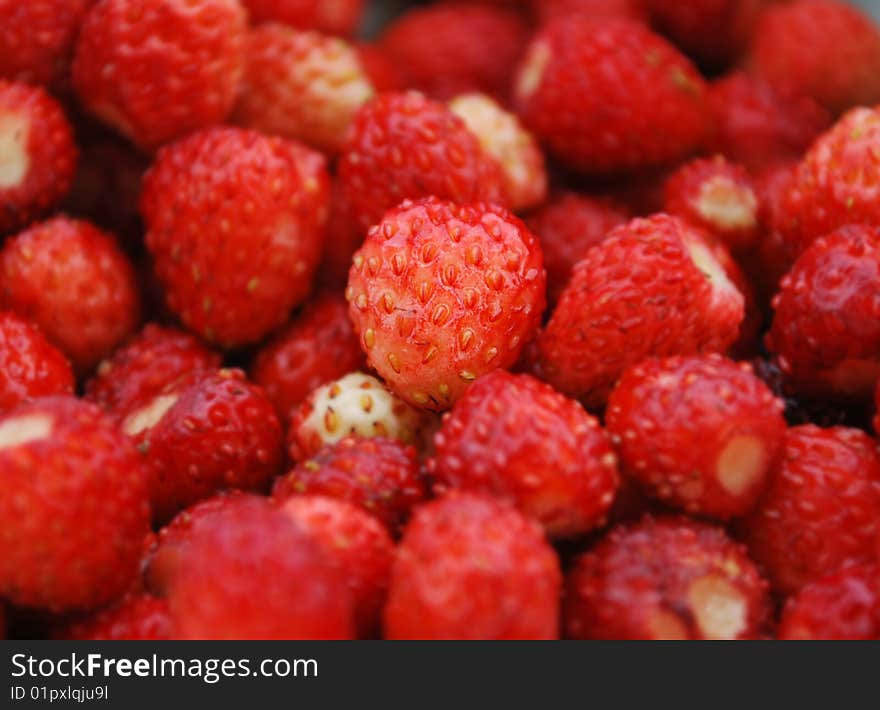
{"points": [[652, 287], [576, 68], [234, 222], [470, 567], [547, 10], [158, 69], [138, 617], [340, 17], [72, 280], [74, 506], [821, 509], [441, 294]]}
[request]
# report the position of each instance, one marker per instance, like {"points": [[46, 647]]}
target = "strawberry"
{"points": [[665, 578], [822, 48], [38, 155], [357, 544], [514, 437], [343, 236], [74, 506], [652, 287], [547, 10], [380, 475], [441, 294], [403, 145], [234, 222], [316, 347], [158, 69], [72, 280], [340, 17], [821, 510], [700, 433], [137, 617], [30, 366], [470, 567], [575, 68]]}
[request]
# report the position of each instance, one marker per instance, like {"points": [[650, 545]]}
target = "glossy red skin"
{"points": [[138, 371], [671, 420], [50, 150], [826, 316], [452, 49], [567, 227], [234, 224], [340, 17], [72, 280], [379, 475], [317, 347], [638, 570], [251, 573], [441, 294], [842, 606], [359, 546], [221, 432], [30, 366], [138, 617], [547, 10], [821, 510], [515, 438], [635, 295], [75, 510], [403, 145], [158, 69], [825, 49], [660, 105], [470, 567]]}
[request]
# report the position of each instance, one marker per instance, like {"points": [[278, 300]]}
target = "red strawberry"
{"points": [[37, 153], [357, 544], [158, 69], [380, 475], [821, 510], [470, 567], [652, 287], [72, 280], [318, 346], [30, 366], [844, 605], [340, 17], [822, 48], [826, 328], [441, 294], [74, 506], [138, 617], [234, 222], [547, 10], [665, 578], [514, 437], [701, 433], [576, 68], [406, 146], [343, 236]]}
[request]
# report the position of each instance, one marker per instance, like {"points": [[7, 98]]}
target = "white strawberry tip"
{"points": [[726, 204], [14, 161], [26, 429], [741, 464], [147, 417], [718, 607]]}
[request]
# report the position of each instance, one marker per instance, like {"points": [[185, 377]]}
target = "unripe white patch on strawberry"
{"points": [[147, 417], [532, 71], [19, 431], [741, 464], [722, 287], [14, 161], [727, 204], [719, 609]]}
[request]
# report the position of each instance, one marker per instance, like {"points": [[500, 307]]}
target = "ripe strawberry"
{"points": [[357, 544], [441, 294], [547, 10], [38, 155], [844, 605], [470, 567], [822, 48], [30, 366], [402, 145], [73, 504], [576, 68], [341, 17], [234, 222], [251, 573], [567, 227], [514, 437], [380, 475], [72, 280], [204, 432], [826, 332], [700, 433], [665, 578], [821, 510], [137, 617], [318, 346], [652, 287], [158, 69]]}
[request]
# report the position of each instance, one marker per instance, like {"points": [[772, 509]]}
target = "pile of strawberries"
{"points": [[524, 320]]}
